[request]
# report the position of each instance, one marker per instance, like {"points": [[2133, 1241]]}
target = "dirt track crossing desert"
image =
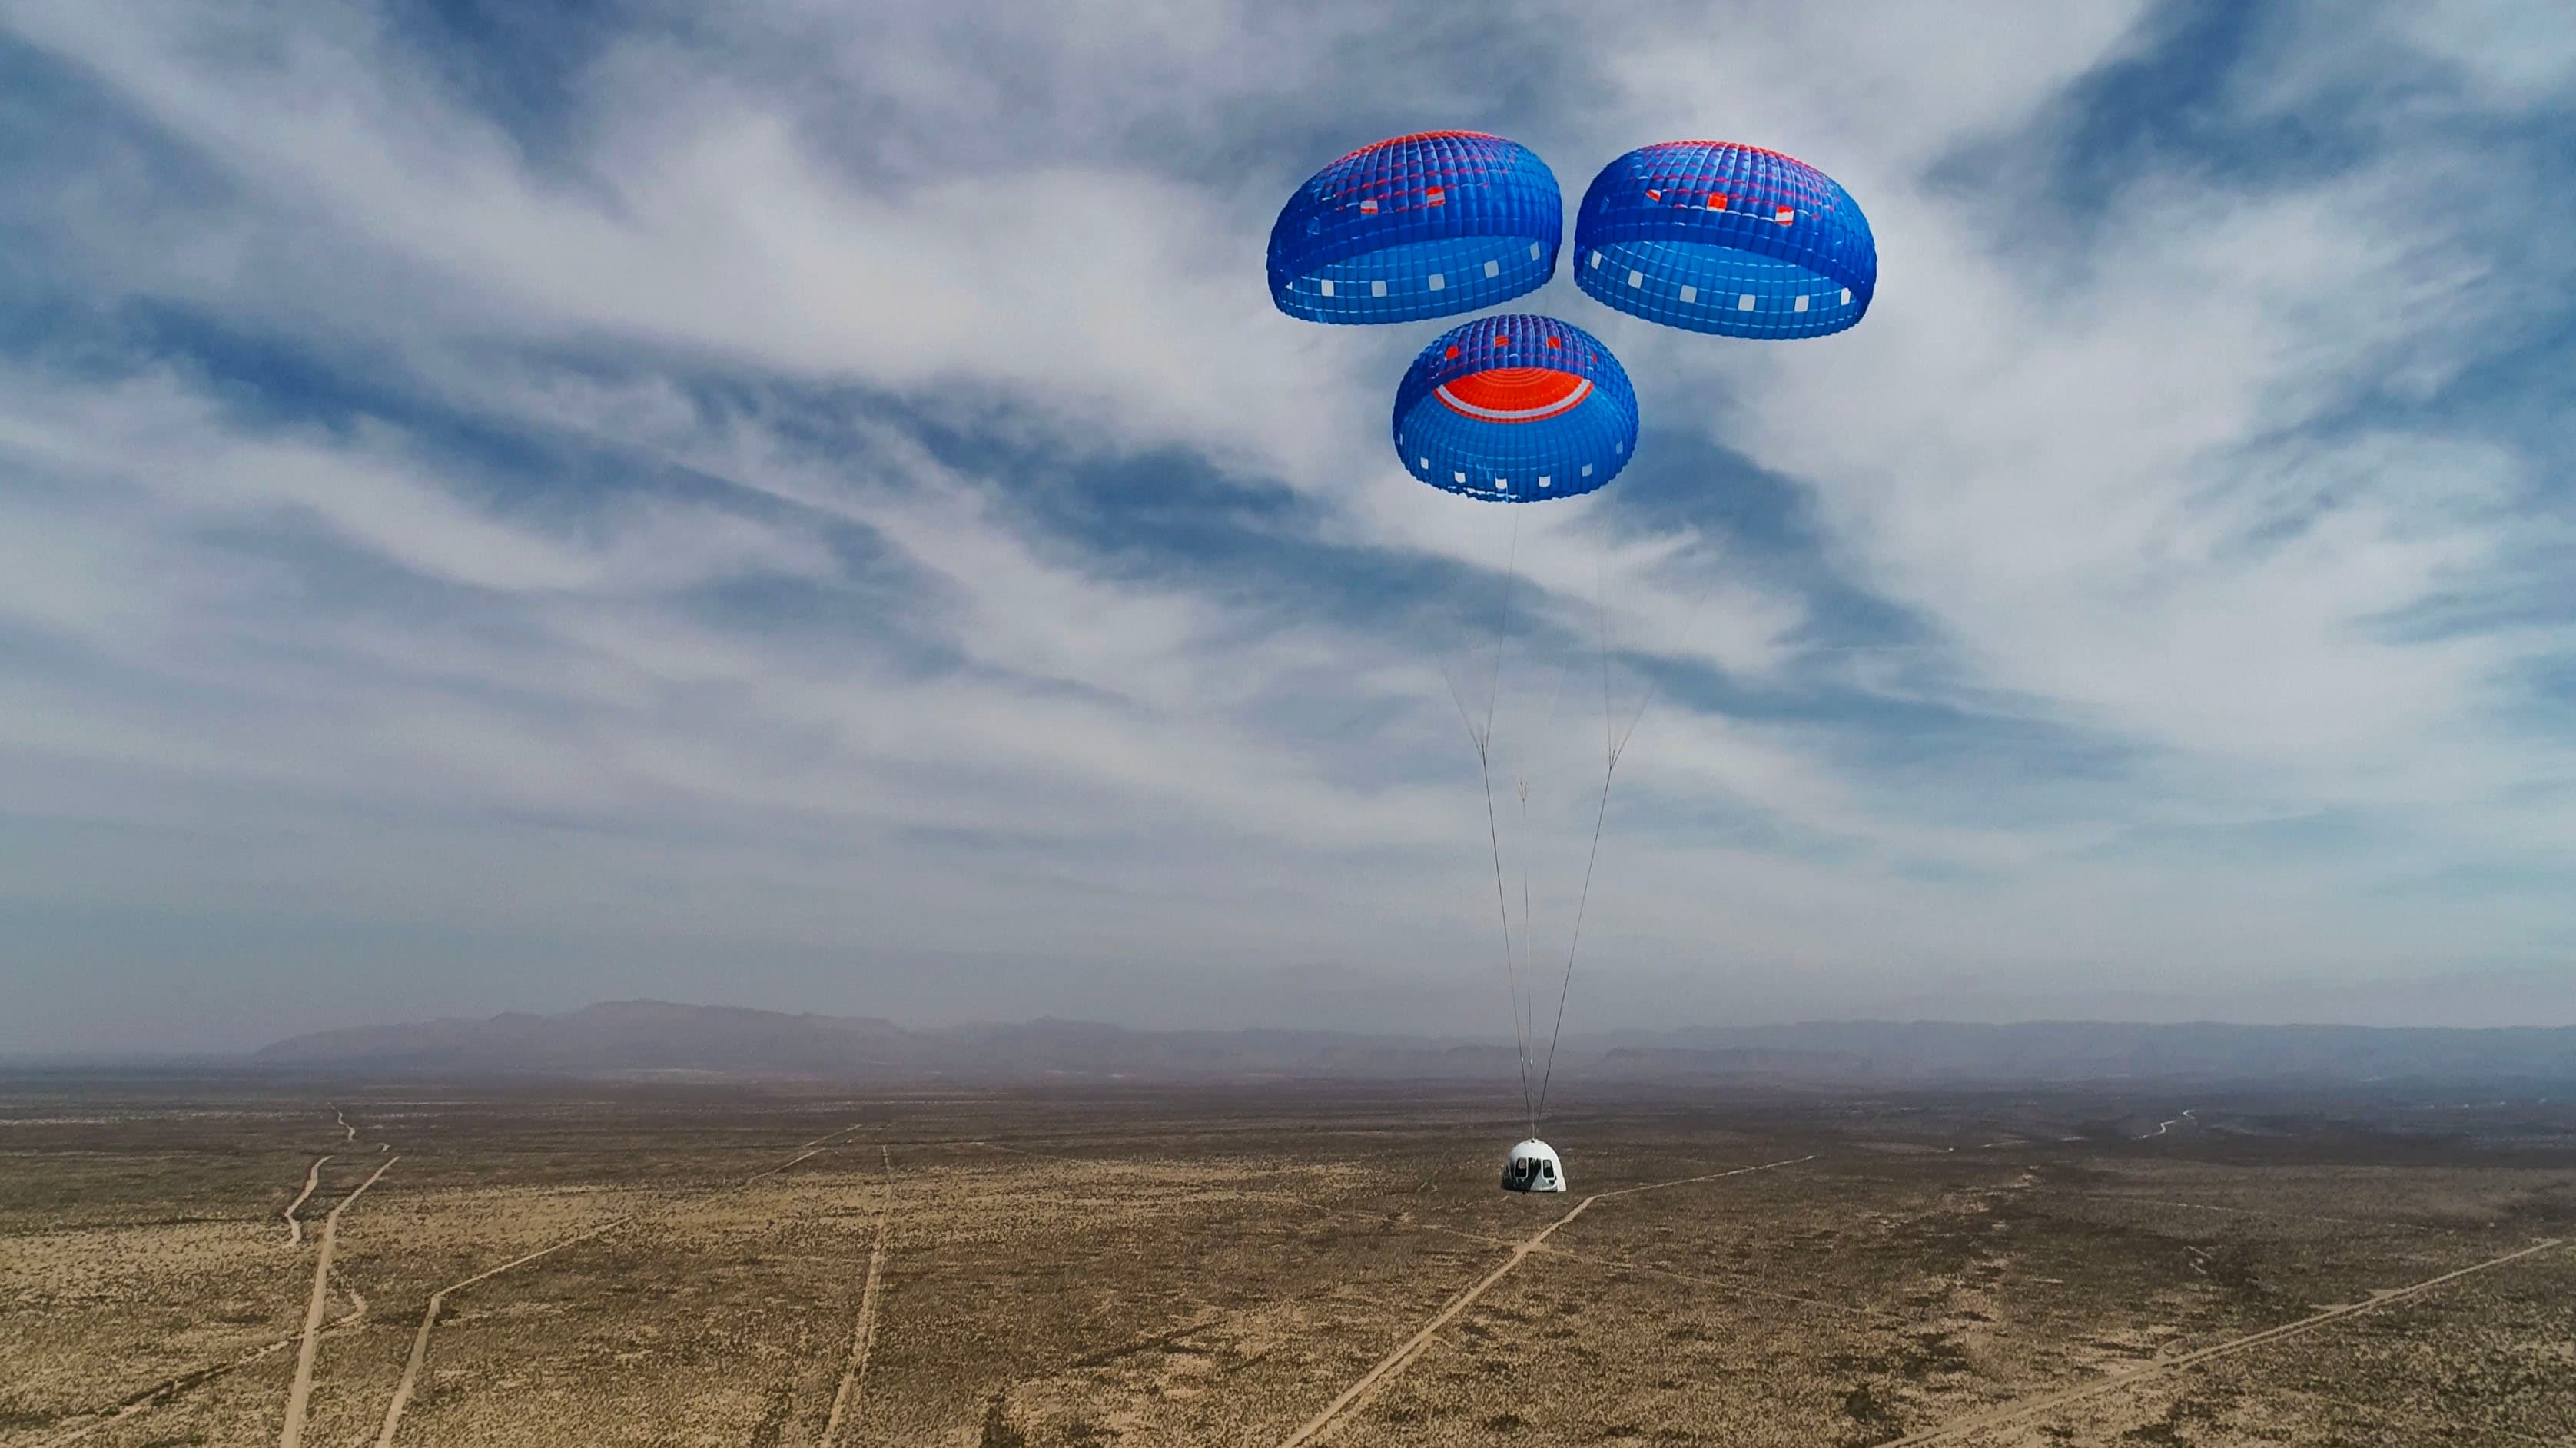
{"points": [[1358, 1394], [309, 1346], [429, 1320], [2017, 1412], [846, 1398], [312, 1178], [410, 1380]]}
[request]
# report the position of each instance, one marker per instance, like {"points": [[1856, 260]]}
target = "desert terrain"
{"points": [[246, 1259]]}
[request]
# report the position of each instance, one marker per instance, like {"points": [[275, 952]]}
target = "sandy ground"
{"points": [[621, 1264]]}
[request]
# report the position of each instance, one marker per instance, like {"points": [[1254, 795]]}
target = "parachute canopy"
{"points": [[1516, 409], [1711, 236], [1427, 225]]}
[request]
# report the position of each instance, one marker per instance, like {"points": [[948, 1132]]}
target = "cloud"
{"points": [[807, 485]]}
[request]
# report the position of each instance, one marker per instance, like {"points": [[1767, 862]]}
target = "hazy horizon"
{"points": [[1431, 1009], [811, 508]]}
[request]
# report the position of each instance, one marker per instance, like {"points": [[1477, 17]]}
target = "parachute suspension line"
{"points": [[1611, 745], [1615, 743], [1521, 1031], [1529, 928], [1575, 941], [1610, 752], [1529, 939], [1601, 624], [1524, 1026], [1503, 623]]}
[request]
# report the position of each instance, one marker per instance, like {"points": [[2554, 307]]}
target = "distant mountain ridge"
{"points": [[609, 1037], [630, 1037]]}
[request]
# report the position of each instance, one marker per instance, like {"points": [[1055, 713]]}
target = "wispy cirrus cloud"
{"points": [[811, 506]]}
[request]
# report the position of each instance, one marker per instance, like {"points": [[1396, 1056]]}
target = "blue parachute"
{"points": [[1516, 409], [1428, 225], [1711, 236]]}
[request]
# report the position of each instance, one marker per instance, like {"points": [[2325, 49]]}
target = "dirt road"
{"points": [[2032, 1407], [294, 1228], [429, 1319], [168, 1388], [301, 1391], [1392, 1366], [863, 1336], [410, 1380]]}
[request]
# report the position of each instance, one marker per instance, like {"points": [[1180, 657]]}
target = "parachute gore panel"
{"points": [[1516, 409], [1710, 236], [1421, 226]]}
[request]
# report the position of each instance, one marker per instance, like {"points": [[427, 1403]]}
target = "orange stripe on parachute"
{"points": [[1514, 394]]}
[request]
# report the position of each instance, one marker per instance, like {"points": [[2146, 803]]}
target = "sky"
{"points": [[808, 505]]}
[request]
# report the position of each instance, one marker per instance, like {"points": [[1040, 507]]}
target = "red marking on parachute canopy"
{"points": [[1453, 354], [1785, 215], [1728, 146], [1654, 195], [1556, 341], [1437, 196], [1369, 207], [1717, 201], [1395, 178], [1514, 394], [1801, 177], [1420, 136]]}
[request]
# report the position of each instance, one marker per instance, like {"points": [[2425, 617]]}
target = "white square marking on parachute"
{"points": [[1438, 281], [1426, 462], [1587, 470], [1802, 304], [1636, 279], [1546, 480], [1501, 483], [1461, 477], [1493, 268], [1533, 251], [1596, 259], [1690, 294], [1325, 286], [1744, 303], [1846, 296], [1618, 447], [1377, 289]]}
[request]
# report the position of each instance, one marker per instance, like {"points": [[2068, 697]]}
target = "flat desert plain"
{"points": [[236, 1260]]}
